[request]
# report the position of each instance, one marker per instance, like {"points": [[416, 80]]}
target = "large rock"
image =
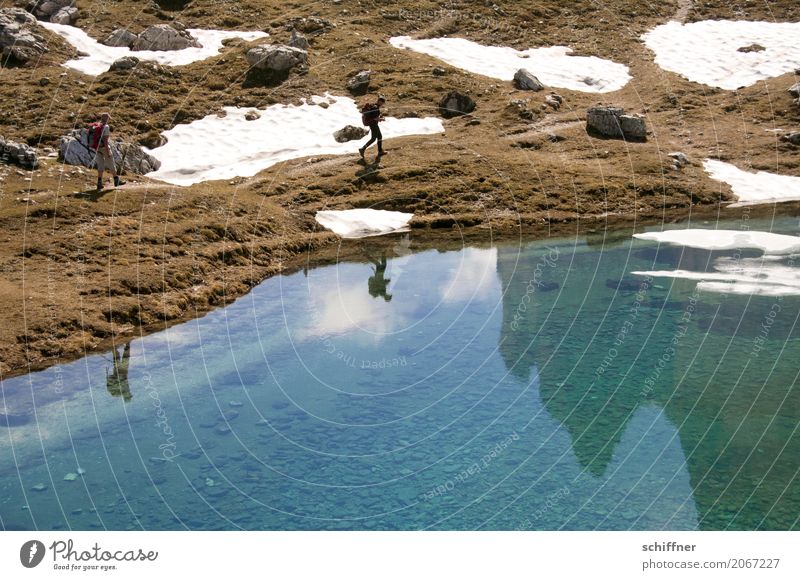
{"points": [[525, 80], [66, 15], [18, 154], [48, 9], [124, 63], [298, 41], [164, 37], [350, 133], [276, 57], [121, 37], [74, 150], [18, 41], [613, 122], [454, 104], [359, 83], [794, 90]]}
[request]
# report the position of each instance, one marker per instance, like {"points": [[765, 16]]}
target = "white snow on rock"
{"points": [[753, 188], [359, 223], [552, 65], [773, 274], [231, 146], [708, 52], [769, 243], [101, 56]]}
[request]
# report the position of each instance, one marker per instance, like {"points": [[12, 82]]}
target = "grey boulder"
{"points": [[525, 80], [359, 83], [164, 37], [74, 150], [454, 104], [276, 57], [613, 122], [18, 42], [121, 37], [349, 133], [18, 154]]}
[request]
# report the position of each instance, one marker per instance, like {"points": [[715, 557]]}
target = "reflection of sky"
{"points": [[339, 301]]}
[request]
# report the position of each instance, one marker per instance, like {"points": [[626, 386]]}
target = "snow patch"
{"points": [[217, 147], [754, 188], [708, 52], [776, 244], [552, 65], [101, 56], [773, 274], [359, 223], [750, 276]]}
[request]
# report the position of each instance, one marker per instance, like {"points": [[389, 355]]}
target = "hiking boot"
{"points": [[361, 151], [381, 153], [118, 181], [99, 185]]}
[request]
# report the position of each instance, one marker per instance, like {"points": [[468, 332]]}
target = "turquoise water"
{"points": [[535, 385]]}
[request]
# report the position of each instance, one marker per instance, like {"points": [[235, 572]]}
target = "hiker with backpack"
{"points": [[370, 117], [98, 143]]}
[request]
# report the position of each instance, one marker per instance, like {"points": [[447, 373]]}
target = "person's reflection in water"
{"points": [[117, 379], [377, 283]]}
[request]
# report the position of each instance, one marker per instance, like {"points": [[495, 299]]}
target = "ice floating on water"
{"points": [[359, 223], [101, 56], [224, 147], [552, 65], [753, 188], [770, 243], [709, 52], [751, 276], [774, 274]]}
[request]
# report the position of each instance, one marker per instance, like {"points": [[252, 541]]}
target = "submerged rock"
{"points": [[164, 37], [350, 133], [276, 57], [613, 122], [526, 81], [454, 104]]}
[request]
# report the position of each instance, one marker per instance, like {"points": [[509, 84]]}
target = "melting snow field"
{"points": [[231, 146], [551, 65], [359, 223], [708, 52], [101, 56], [753, 188], [774, 274]]}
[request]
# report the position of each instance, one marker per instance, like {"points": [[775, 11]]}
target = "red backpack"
{"points": [[370, 113], [95, 131]]}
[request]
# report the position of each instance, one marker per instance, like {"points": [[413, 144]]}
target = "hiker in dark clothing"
{"points": [[370, 117], [378, 285]]}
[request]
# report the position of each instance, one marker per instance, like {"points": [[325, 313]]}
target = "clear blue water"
{"points": [[513, 386]]}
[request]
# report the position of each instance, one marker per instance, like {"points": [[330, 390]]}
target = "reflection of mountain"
{"points": [[601, 354]]}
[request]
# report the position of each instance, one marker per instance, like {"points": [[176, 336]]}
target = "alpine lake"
{"points": [[528, 385]]}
